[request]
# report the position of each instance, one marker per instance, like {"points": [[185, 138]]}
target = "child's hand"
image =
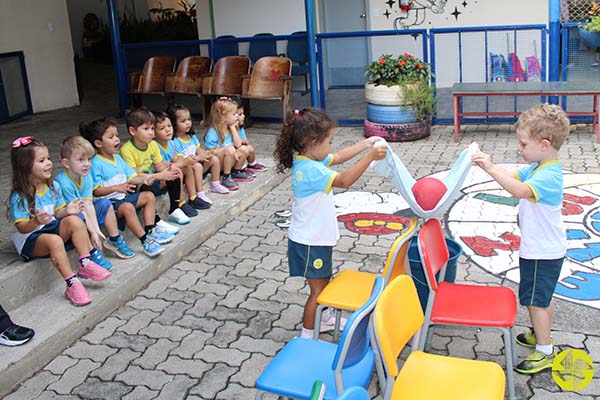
{"points": [[128, 187], [41, 217], [370, 142], [75, 207], [148, 181], [169, 174], [483, 160], [189, 160], [96, 238], [244, 141], [377, 153]]}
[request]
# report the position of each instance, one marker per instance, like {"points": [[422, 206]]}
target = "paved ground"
{"points": [[208, 326]]}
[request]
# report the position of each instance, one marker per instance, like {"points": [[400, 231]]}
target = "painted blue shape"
{"points": [[596, 216], [591, 251], [586, 286], [575, 234], [596, 226]]}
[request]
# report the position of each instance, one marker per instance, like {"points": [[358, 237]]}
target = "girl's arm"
{"points": [[504, 177], [235, 136], [349, 176], [73, 208], [347, 153], [37, 219]]}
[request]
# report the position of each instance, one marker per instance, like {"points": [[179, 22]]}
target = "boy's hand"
{"points": [[96, 238], [377, 152], [128, 187], [483, 160], [75, 207], [370, 142], [41, 217], [189, 160]]}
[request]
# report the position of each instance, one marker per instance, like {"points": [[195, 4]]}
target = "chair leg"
{"points": [[336, 329], [206, 105], [380, 371], [318, 321], [423, 336], [509, 352], [259, 394]]}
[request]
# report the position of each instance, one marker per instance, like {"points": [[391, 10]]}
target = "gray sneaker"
{"points": [[229, 183]]}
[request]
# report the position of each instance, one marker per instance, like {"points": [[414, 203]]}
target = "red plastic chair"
{"points": [[460, 304]]}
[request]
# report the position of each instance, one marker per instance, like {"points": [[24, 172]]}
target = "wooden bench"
{"points": [[578, 88]]}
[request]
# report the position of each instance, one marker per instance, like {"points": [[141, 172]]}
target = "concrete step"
{"points": [[58, 324]]}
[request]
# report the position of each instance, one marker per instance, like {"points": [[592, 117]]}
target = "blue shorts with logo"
{"points": [[102, 207], [50, 228], [309, 261], [538, 281], [129, 198]]}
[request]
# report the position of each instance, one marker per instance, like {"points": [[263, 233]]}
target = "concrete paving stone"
{"points": [[345, 244], [356, 258], [187, 280], [209, 325], [226, 334], [490, 341], [156, 287], [254, 304], [95, 352], [243, 268], [251, 370], [143, 303], [191, 344], [593, 388], [115, 364], [33, 387], [290, 317], [266, 274], [73, 377], [172, 313], [571, 339], [440, 343], [158, 331], [252, 251], [275, 238], [282, 335], [121, 340], [259, 325], [136, 376], [215, 274], [204, 305], [141, 393], [155, 354], [461, 348], [178, 388], [264, 249], [60, 364], [542, 394], [259, 231], [125, 312], [213, 381], [232, 228], [248, 344], [265, 290], [173, 274], [235, 392], [96, 389], [138, 322], [213, 354], [294, 284], [174, 365], [188, 265], [235, 296], [592, 344], [298, 298], [53, 396], [220, 289], [247, 281], [174, 295], [103, 330], [465, 332], [272, 260]]}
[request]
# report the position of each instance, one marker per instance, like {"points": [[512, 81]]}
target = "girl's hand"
{"points": [[41, 217], [75, 207], [483, 160], [96, 238], [244, 141], [377, 153], [370, 142], [189, 160]]}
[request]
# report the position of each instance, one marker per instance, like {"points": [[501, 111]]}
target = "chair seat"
{"points": [[348, 290], [300, 69], [472, 305], [312, 360], [430, 376]]}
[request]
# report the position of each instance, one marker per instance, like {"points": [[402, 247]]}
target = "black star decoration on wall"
{"points": [[390, 3], [387, 14], [464, 4], [456, 13]]}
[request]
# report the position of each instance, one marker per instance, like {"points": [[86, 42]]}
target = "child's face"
{"points": [[530, 150], [78, 164], [183, 124], [241, 116], [143, 134], [321, 150], [163, 130], [230, 117], [110, 142], [41, 170]]}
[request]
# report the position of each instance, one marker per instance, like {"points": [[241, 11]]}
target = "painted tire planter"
{"points": [[590, 39], [398, 132], [384, 95], [390, 114]]}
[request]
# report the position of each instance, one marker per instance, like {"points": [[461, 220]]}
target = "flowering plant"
{"points": [[390, 71], [593, 24]]}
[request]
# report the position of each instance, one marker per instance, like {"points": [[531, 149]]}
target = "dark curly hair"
{"points": [[302, 127], [94, 130]]}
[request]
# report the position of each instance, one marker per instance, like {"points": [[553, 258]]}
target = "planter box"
{"points": [[384, 95], [398, 132], [590, 39]]}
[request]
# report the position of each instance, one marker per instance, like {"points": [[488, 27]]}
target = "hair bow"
{"points": [[297, 112], [22, 141]]}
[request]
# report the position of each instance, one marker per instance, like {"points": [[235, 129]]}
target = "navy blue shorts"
{"points": [[154, 188], [102, 207], [538, 281], [313, 262], [129, 198], [51, 228]]}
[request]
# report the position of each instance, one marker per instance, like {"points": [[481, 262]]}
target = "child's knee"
{"points": [[146, 198], [73, 221], [230, 151], [126, 209]]}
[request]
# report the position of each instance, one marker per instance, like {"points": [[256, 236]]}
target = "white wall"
{"points": [[41, 30]]}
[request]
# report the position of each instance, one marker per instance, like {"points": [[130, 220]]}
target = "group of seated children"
{"points": [[104, 184]]}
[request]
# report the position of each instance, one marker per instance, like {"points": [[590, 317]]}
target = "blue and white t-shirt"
{"points": [[314, 220], [48, 200], [167, 153], [107, 173], [185, 148], [242, 134], [213, 141], [543, 236], [72, 190]]}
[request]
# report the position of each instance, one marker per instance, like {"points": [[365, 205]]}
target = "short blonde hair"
{"points": [[545, 121], [76, 143]]}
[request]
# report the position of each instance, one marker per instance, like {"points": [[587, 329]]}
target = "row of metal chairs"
{"points": [[270, 79], [392, 305]]}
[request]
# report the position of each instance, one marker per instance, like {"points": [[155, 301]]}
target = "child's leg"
{"points": [[110, 223], [147, 201], [215, 169], [127, 210], [54, 246], [242, 155], [198, 172], [251, 153], [73, 228], [189, 176], [541, 319], [227, 158], [316, 287]]}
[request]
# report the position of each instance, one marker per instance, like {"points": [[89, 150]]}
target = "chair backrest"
{"points": [[355, 343], [153, 78], [398, 255], [265, 82], [397, 317], [297, 48], [262, 48], [189, 74], [225, 48], [227, 75], [433, 250]]}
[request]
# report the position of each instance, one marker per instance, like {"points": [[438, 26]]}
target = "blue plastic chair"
{"points": [[262, 48], [353, 393], [224, 49], [297, 51], [303, 361]]}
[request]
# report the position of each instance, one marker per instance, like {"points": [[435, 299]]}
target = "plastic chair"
{"points": [[297, 51], [262, 48], [225, 48], [302, 361], [353, 393], [350, 288], [270, 80], [188, 78], [225, 80], [461, 304], [397, 317]]}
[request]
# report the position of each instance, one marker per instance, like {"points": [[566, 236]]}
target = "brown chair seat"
{"points": [[188, 78], [225, 80]]}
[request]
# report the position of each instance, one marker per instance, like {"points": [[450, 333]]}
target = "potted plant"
{"points": [[590, 32], [400, 99]]}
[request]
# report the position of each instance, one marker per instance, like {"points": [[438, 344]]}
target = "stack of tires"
{"points": [[389, 118]]}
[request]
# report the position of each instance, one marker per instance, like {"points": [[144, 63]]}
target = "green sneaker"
{"points": [[536, 362], [526, 339]]}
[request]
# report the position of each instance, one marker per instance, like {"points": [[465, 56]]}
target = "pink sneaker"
{"points": [[216, 187], [257, 167], [90, 270], [77, 294]]}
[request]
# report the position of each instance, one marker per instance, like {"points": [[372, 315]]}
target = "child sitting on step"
{"points": [[241, 143]]}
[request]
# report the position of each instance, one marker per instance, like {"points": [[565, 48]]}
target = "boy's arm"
{"points": [[91, 222], [166, 172], [346, 178], [347, 153], [505, 178], [127, 187]]}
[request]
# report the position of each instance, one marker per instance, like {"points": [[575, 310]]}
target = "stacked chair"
{"points": [[225, 80], [152, 79]]}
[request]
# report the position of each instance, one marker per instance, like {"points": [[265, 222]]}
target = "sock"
{"points": [[307, 333], [93, 251], [143, 238], [215, 183], [70, 280], [547, 349], [227, 176], [200, 193], [181, 203], [148, 229], [156, 219], [192, 198], [251, 164], [83, 257], [114, 238]]}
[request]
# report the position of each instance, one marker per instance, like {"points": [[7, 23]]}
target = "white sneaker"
{"points": [[179, 217], [162, 226], [328, 321], [204, 197]]}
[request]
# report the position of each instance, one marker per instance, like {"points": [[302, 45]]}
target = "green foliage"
{"points": [[390, 71], [421, 96], [593, 24]]}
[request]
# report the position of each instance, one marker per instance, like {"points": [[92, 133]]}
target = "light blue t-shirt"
{"points": [[72, 190], [168, 153], [242, 133], [212, 139], [185, 148], [107, 172]]}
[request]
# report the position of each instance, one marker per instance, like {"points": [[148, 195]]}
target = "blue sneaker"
{"points": [[119, 247], [161, 237], [151, 247], [97, 257]]}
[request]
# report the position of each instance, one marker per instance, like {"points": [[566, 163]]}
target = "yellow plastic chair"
{"points": [[397, 317], [351, 288]]}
